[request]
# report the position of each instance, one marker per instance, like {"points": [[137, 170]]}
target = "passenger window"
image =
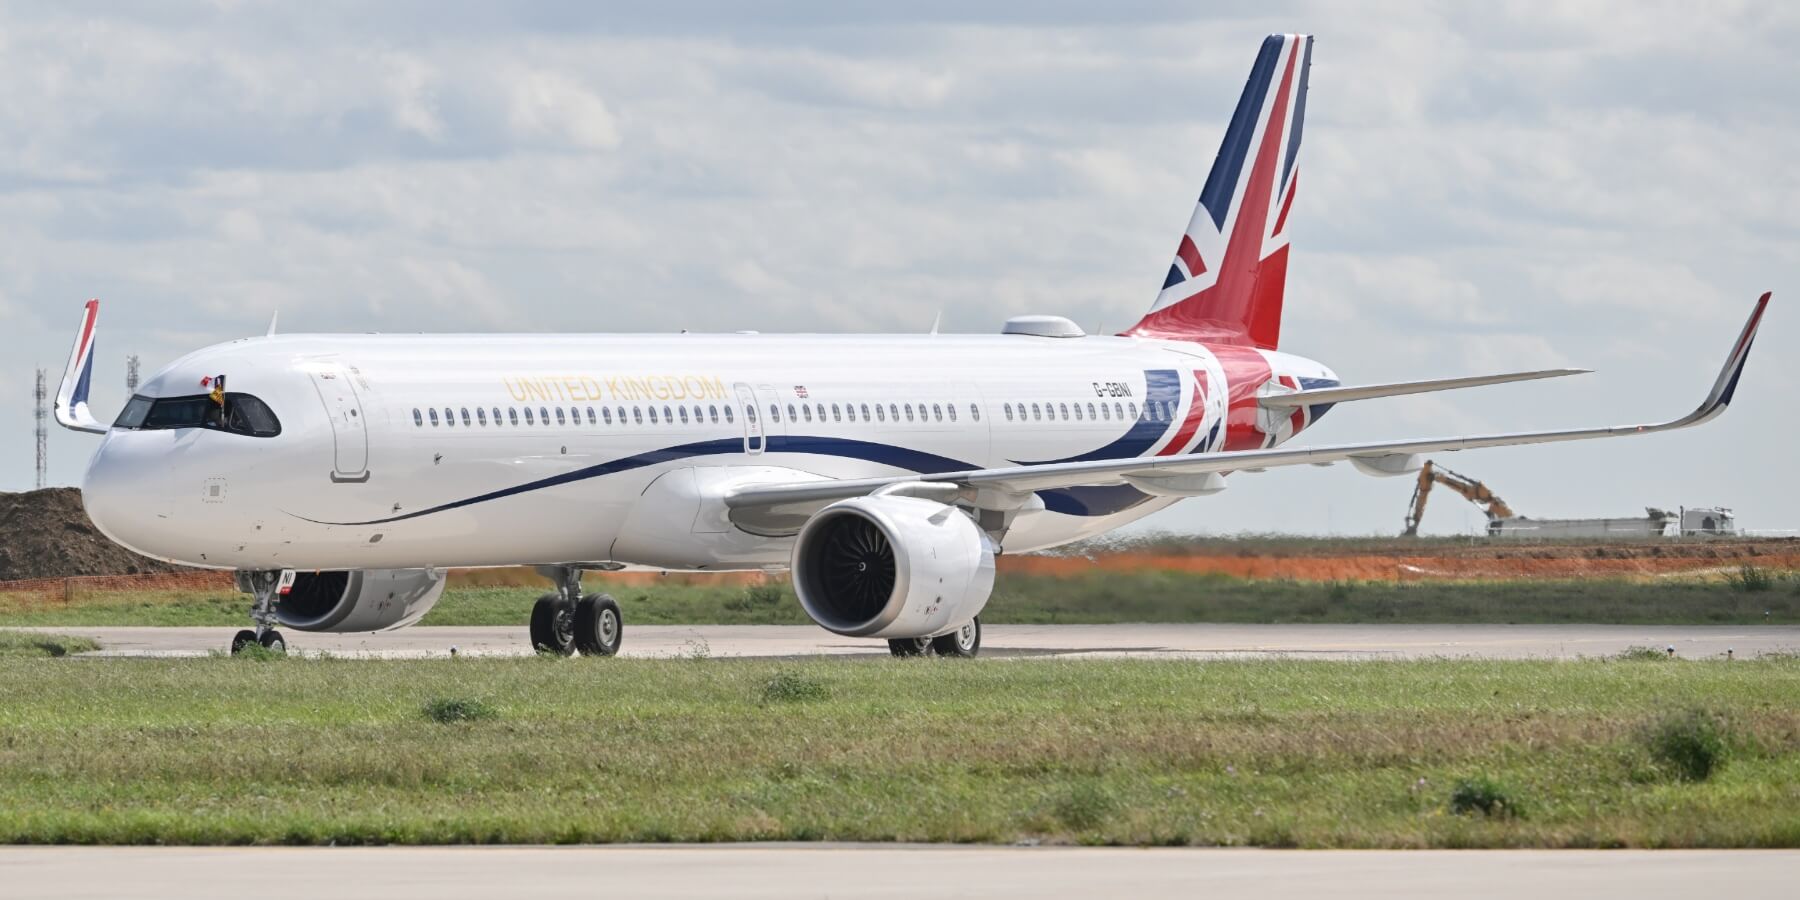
{"points": [[1118, 410], [1035, 413], [880, 413], [712, 414], [1007, 407], [449, 417], [512, 415], [528, 419], [937, 412], [1103, 412], [621, 415], [543, 415], [1132, 409], [865, 412], [560, 419], [418, 417], [951, 408], [592, 419], [791, 416], [749, 413], [1091, 415], [728, 414], [606, 413], [974, 412], [836, 414], [774, 413], [481, 416], [434, 416], [637, 415], [1065, 411], [683, 414], [465, 417], [806, 412], [653, 415], [909, 415], [894, 412], [496, 417]]}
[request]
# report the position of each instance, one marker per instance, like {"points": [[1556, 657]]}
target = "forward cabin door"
{"points": [[753, 425], [349, 430]]}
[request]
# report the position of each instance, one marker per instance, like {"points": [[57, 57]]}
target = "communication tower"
{"points": [[38, 412], [131, 373]]}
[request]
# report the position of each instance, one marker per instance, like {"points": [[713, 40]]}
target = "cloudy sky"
{"points": [[1488, 187]]}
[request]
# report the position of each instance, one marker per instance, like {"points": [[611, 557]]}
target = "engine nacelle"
{"points": [[892, 567], [363, 600]]}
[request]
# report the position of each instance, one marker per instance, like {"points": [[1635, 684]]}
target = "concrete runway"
{"points": [[789, 871], [1153, 641]]}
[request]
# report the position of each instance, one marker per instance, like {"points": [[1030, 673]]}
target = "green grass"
{"points": [[1276, 753], [16, 644], [1094, 597]]}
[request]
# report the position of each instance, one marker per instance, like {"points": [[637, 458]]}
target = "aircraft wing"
{"points": [[72, 396], [1295, 399], [1189, 475]]}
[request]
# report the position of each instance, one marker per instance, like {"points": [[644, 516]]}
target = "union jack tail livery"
{"points": [[1226, 282]]}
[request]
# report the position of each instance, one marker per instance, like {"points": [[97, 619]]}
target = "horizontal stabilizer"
{"points": [[1296, 399]]}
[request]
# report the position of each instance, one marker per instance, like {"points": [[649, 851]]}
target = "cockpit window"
{"points": [[243, 414]]}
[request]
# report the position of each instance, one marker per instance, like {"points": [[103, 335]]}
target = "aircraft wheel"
{"points": [[273, 642], [909, 646], [964, 642], [553, 625], [241, 640], [599, 626]]}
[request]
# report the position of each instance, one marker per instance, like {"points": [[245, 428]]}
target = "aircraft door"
{"points": [[349, 431], [753, 423]]}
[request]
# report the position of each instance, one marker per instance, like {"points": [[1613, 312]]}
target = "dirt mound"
{"points": [[46, 534]]}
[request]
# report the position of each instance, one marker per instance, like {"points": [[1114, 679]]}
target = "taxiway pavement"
{"points": [[1178, 641], [789, 872]]}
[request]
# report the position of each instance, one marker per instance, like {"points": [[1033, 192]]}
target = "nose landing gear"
{"points": [[568, 621], [266, 587]]}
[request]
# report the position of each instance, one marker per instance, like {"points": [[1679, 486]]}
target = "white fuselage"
{"points": [[401, 451]]}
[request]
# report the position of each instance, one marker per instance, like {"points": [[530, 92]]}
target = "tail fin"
{"points": [[1226, 283]]}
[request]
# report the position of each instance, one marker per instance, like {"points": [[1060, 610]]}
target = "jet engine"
{"points": [[889, 566], [362, 600]]}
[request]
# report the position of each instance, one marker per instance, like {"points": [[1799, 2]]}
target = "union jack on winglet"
{"points": [[72, 396], [1225, 285]]}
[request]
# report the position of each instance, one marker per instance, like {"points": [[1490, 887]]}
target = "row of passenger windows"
{"points": [[1156, 410], [571, 415]]}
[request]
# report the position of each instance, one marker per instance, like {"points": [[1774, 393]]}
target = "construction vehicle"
{"points": [[1473, 491], [1503, 522]]}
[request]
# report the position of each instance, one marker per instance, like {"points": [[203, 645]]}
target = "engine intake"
{"points": [[363, 600], [892, 567]]}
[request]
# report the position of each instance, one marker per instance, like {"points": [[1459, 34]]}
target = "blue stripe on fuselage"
{"points": [[1071, 501]]}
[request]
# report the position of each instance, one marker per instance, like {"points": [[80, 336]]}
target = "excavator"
{"points": [[1473, 491]]}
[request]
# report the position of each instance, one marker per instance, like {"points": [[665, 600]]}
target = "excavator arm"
{"points": [[1473, 491]]}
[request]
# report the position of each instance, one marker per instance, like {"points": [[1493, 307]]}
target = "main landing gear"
{"points": [[964, 642], [568, 620], [266, 587]]}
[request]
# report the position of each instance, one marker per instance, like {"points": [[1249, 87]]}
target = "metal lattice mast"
{"points": [[131, 373], [38, 412]]}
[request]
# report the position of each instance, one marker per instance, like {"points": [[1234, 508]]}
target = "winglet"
{"points": [[1726, 385], [72, 397]]}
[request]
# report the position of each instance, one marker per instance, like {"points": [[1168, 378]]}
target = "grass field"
{"points": [[1097, 597], [1284, 753]]}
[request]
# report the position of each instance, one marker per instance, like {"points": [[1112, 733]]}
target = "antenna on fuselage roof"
{"points": [[936, 321], [273, 316]]}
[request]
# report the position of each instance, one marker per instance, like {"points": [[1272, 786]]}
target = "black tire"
{"points": [[241, 640], [553, 625], [909, 646], [964, 642], [273, 642], [599, 626]]}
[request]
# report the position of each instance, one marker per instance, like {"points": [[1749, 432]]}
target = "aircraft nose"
{"points": [[126, 498]]}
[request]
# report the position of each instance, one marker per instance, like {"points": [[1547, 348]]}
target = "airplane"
{"points": [[340, 476]]}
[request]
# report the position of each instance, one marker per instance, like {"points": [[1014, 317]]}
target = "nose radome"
{"points": [[126, 501]]}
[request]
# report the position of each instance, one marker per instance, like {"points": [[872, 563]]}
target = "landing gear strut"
{"points": [[265, 586], [964, 642], [568, 620]]}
